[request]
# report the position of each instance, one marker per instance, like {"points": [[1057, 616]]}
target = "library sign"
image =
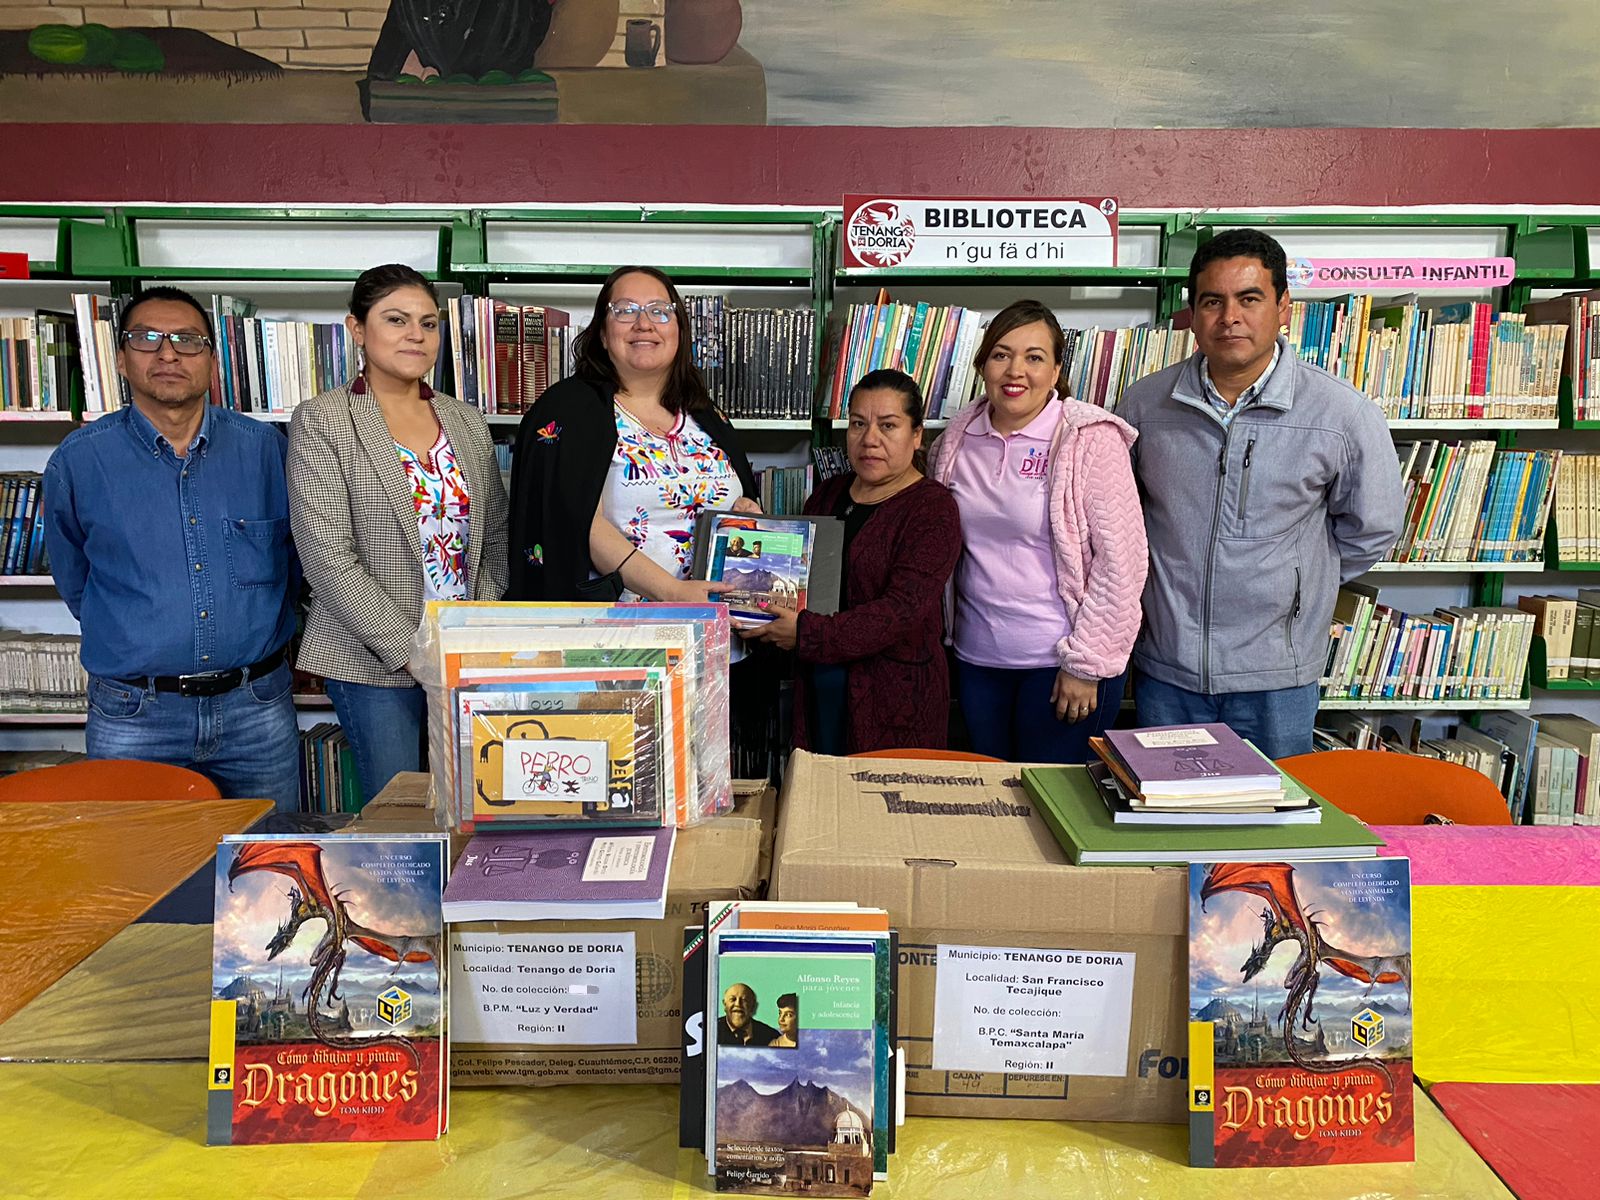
{"points": [[1432, 274], [912, 234]]}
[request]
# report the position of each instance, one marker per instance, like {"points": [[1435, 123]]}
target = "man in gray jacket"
{"points": [[1266, 483]]}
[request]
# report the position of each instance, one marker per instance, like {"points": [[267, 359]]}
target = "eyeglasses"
{"points": [[659, 311], [148, 341]]}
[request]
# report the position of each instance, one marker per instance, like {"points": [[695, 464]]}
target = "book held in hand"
{"points": [[793, 562], [328, 991], [562, 875], [1300, 1013]]}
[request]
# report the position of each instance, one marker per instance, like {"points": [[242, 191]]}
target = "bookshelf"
{"points": [[298, 261]]}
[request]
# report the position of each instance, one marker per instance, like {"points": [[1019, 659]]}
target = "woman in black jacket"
{"points": [[613, 465]]}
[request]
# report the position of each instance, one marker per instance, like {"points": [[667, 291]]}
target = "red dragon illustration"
{"points": [[311, 899], [1285, 919]]}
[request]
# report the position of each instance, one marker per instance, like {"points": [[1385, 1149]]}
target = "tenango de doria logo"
{"points": [[879, 234]]}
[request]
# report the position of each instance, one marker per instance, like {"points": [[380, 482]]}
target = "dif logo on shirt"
{"points": [[1035, 465]]}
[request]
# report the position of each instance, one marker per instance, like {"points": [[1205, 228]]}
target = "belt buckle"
{"points": [[204, 684]]}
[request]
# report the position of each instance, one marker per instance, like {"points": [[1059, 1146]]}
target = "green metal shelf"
{"points": [[596, 272], [1539, 673], [1445, 705]]}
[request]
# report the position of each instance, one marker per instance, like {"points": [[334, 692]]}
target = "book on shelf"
{"points": [[329, 782], [37, 357], [796, 1082], [1378, 652], [502, 356], [795, 562], [1577, 503], [342, 1039], [934, 344], [270, 364], [1580, 791], [1277, 1078], [1099, 364], [41, 673], [784, 490], [757, 363], [104, 389], [1577, 316], [1555, 621], [1453, 362], [1518, 732], [1183, 765], [1473, 503], [22, 548], [1126, 810], [562, 875], [1071, 806]]}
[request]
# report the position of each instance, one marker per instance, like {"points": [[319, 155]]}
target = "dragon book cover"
{"points": [[328, 996], [1300, 1013]]}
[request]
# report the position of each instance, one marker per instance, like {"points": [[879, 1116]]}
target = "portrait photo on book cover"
{"points": [[739, 1025]]}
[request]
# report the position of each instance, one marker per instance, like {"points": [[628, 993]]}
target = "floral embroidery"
{"points": [[439, 493]]}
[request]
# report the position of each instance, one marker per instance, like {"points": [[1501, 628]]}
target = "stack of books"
{"points": [[1471, 502], [797, 1088], [576, 715], [1377, 652], [269, 365], [1187, 793], [1569, 631], [562, 875], [792, 562], [784, 490]]}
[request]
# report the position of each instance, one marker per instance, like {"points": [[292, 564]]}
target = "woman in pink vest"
{"points": [[1046, 597]]}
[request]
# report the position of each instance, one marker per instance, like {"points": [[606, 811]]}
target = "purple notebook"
{"points": [[561, 875], [1192, 760]]}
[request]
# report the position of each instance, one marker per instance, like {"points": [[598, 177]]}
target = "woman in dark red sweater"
{"points": [[873, 675]]}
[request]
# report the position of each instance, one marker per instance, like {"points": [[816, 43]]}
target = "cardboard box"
{"points": [[956, 854], [720, 860]]}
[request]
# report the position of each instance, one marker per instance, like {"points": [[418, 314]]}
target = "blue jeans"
{"points": [[1278, 722], [384, 727], [1009, 714], [245, 741]]}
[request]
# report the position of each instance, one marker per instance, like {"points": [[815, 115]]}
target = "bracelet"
{"points": [[624, 562]]}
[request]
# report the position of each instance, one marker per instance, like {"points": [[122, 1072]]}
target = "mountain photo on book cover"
{"points": [[1304, 972], [797, 1120], [330, 953]]}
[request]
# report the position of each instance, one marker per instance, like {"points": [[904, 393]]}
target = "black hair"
{"points": [[686, 388], [162, 292], [375, 283], [1242, 243], [888, 379], [789, 1000], [1014, 316]]}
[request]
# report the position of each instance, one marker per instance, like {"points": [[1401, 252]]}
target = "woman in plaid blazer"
{"points": [[395, 497]]}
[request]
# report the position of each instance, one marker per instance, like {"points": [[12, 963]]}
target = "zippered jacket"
{"points": [[1096, 534], [1252, 527]]}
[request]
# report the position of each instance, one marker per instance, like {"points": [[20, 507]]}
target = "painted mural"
{"points": [[1139, 63]]}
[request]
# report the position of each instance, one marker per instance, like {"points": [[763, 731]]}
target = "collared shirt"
{"points": [[1008, 610], [172, 566], [1247, 397]]}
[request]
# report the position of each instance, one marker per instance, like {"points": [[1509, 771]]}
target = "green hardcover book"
{"points": [[1077, 816]]}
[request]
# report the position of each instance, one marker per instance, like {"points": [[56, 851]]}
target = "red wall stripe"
{"points": [[476, 165]]}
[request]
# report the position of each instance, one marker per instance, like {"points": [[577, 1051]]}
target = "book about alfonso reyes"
{"points": [[328, 997], [1300, 1013]]}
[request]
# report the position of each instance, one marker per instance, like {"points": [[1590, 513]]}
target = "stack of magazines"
{"points": [[576, 715]]}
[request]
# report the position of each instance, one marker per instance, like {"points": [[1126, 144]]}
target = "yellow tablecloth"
{"points": [[135, 1130]]}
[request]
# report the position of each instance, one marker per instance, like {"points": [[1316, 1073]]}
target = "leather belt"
{"points": [[208, 683]]}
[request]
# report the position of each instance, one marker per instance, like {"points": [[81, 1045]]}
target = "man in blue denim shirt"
{"points": [[167, 524]]}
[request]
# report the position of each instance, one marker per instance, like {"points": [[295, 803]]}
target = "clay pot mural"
{"points": [[702, 31], [581, 32]]}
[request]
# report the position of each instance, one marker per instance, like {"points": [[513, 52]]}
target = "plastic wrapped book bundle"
{"points": [[560, 715]]}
